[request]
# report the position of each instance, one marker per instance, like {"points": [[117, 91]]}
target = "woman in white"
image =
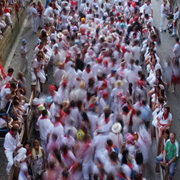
{"points": [[164, 121]]}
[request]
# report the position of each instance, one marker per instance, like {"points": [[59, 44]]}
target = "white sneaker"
{"points": [[160, 30]]}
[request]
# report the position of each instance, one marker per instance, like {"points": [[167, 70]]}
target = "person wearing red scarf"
{"points": [[43, 123], [13, 149]]}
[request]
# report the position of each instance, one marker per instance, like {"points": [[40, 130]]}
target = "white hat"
{"points": [[60, 35], [116, 128]]}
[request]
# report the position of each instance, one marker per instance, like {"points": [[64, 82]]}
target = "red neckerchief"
{"points": [[165, 116], [43, 118], [109, 149], [9, 75], [77, 79], [39, 47], [7, 85], [55, 124], [66, 60], [86, 146], [60, 39], [130, 165], [56, 53], [64, 154], [91, 105], [12, 134], [28, 152], [120, 176], [106, 120], [49, 106], [164, 5], [88, 70]]}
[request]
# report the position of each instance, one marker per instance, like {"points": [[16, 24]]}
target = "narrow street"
{"points": [[165, 51]]}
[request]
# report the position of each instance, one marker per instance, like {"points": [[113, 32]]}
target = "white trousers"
{"points": [[163, 17], [40, 75], [174, 30], [9, 156]]}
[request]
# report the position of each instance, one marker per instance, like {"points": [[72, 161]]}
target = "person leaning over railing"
{"points": [[170, 155]]}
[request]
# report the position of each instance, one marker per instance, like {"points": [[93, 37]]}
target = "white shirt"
{"points": [[58, 76], [148, 8], [11, 143], [48, 11], [57, 129], [44, 125], [4, 92], [177, 50]]}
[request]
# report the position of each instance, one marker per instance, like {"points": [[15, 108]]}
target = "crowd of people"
{"points": [[95, 123], [7, 8]]}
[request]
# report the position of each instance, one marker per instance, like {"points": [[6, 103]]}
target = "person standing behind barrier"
{"points": [[170, 155], [34, 14], [164, 9]]}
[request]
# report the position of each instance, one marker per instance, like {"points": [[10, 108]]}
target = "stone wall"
{"points": [[9, 36]]}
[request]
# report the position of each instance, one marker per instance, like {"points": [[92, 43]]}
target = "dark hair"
{"points": [[57, 155], [13, 85], [110, 177], [51, 165], [27, 142], [109, 142], [125, 109], [14, 128], [124, 156], [130, 88], [139, 157], [113, 156], [65, 174], [44, 112], [72, 103], [10, 70]]}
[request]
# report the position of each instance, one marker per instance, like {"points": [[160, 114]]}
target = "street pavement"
{"points": [[164, 51]]}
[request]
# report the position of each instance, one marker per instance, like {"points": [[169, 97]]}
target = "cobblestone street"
{"points": [[165, 50]]}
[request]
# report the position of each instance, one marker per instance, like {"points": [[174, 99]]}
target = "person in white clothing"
{"points": [[43, 123], [175, 21], [58, 74], [48, 14], [164, 10], [148, 8], [37, 69], [13, 149], [7, 93], [23, 52], [57, 129], [34, 14]]}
